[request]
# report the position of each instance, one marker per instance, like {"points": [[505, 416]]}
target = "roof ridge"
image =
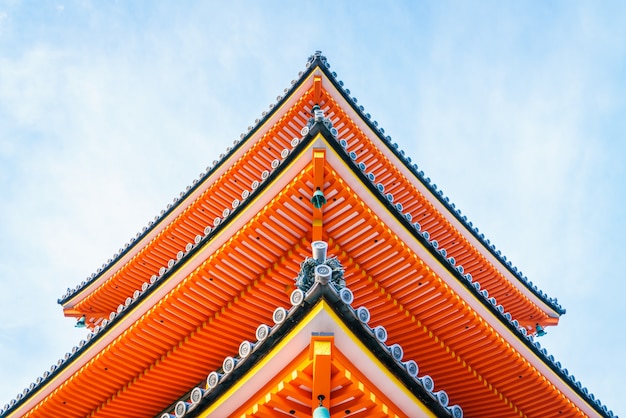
{"points": [[423, 235], [341, 300], [315, 61], [318, 60], [164, 272], [426, 181], [491, 302], [210, 169]]}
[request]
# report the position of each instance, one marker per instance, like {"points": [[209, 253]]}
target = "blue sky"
{"points": [[108, 110]]}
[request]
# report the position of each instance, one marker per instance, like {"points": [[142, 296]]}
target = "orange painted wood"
{"points": [[321, 350], [205, 318]]}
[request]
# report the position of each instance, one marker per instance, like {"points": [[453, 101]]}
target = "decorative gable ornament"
{"points": [[320, 269]]}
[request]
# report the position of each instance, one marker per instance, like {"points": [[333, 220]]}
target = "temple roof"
{"points": [[235, 241], [251, 372], [288, 130]]}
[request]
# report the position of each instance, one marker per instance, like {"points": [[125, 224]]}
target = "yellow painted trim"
{"points": [[488, 318], [222, 231], [321, 348], [279, 350], [153, 304], [492, 316]]}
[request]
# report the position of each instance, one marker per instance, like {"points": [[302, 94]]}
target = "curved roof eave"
{"points": [[138, 305], [382, 199], [550, 304], [313, 314], [315, 62], [544, 360], [130, 249]]}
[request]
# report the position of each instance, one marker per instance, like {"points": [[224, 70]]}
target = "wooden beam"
{"points": [[317, 89], [319, 161], [321, 349]]}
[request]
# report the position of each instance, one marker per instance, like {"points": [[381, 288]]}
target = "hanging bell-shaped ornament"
{"points": [[81, 322], [540, 331], [321, 411], [318, 199]]}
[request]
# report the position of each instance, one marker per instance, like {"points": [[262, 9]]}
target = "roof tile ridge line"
{"points": [[280, 99], [423, 236], [490, 303], [68, 355], [174, 348], [299, 300], [552, 302], [438, 193], [255, 284], [191, 248], [284, 153], [380, 187], [164, 271], [399, 208], [47, 375], [402, 308], [244, 194]]}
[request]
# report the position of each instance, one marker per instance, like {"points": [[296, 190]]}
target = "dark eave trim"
{"points": [[528, 339], [160, 222], [438, 193], [280, 332]]}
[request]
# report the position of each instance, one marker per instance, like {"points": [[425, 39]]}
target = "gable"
{"points": [[235, 242], [284, 379], [239, 272], [221, 187]]}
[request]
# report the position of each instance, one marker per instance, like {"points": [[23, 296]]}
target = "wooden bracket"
{"points": [[321, 352], [317, 89], [319, 160]]}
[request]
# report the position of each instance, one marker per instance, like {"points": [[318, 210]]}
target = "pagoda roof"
{"points": [[262, 371], [191, 216], [232, 267]]}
